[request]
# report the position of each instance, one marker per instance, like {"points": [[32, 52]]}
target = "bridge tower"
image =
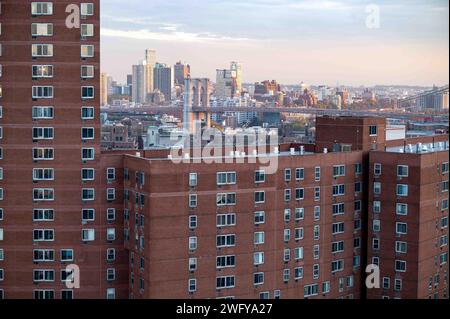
{"points": [[197, 93]]}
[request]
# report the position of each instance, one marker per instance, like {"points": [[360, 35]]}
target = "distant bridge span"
{"points": [[293, 110]]}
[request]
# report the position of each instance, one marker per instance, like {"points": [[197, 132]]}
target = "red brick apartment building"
{"points": [[140, 226]]}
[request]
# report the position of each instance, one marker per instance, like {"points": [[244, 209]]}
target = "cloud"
{"points": [[172, 35]]}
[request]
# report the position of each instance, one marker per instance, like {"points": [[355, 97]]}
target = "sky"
{"points": [[292, 41]]}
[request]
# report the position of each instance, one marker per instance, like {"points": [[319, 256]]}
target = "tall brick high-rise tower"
{"points": [[51, 200]]}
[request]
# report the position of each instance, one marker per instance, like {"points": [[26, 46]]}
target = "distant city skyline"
{"points": [[318, 42]]}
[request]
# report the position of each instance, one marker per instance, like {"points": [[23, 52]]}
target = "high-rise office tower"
{"points": [[181, 72], [53, 208], [150, 60], [163, 79], [229, 82], [103, 89], [139, 85]]}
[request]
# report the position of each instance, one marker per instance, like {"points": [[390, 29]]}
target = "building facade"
{"points": [[163, 80], [53, 207]]}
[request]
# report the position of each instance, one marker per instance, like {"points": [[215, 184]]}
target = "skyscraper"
{"points": [[103, 89], [229, 82], [150, 61], [52, 206], [139, 85], [181, 72], [163, 79]]}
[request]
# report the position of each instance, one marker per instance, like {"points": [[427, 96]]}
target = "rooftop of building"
{"points": [[420, 148]]}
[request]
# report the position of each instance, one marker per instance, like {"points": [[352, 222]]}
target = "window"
{"points": [[287, 175], [326, 287], [287, 255], [299, 193], [110, 254], [337, 247], [444, 186], [43, 215], [287, 235], [192, 243], [193, 179], [225, 220], [401, 247], [226, 178], [401, 228], [225, 199], [377, 206], [402, 209], [192, 222], [42, 50], [358, 187], [316, 252], [110, 274], [110, 194], [43, 255], [376, 225], [87, 215], [443, 259], [260, 177], [43, 275], [286, 275], [87, 194], [87, 154], [299, 233], [338, 209], [258, 278], [338, 170], [258, 258], [43, 235], [377, 169], [311, 290], [260, 197], [264, 295], [358, 206], [87, 92], [87, 30], [110, 234], [43, 112], [111, 293], [444, 204], [41, 29], [386, 283], [87, 9], [88, 235], [398, 283], [42, 92], [43, 194], [298, 273], [43, 174], [192, 264], [317, 174], [87, 51], [338, 228], [43, 133], [444, 168], [377, 188], [192, 285], [298, 253], [402, 190], [66, 255], [260, 218], [375, 244], [41, 8], [87, 71], [87, 133], [225, 241], [1, 234], [317, 193], [66, 294], [44, 294], [225, 282], [373, 130], [400, 266], [193, 200], [402, 171], [258, 238], [339, 190], [337, 266], [87, 113], [299, 174], [358, 169], [299, 214], [42, 71], [287, 215]]}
